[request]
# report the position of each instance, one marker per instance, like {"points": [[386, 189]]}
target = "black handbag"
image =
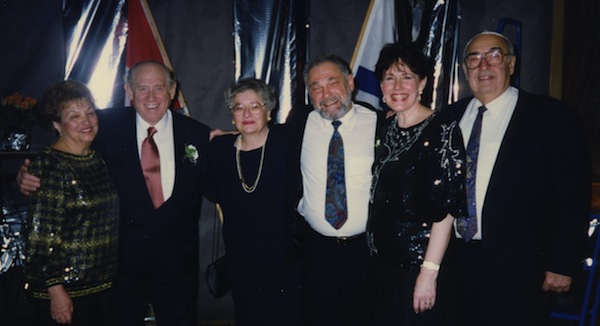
{"points": [[217, 277], [217, 272]]}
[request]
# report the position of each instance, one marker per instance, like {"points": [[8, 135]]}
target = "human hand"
{"points": [[424, 294], [556, 282], [219, 132], [61, 305], [28, 183]]}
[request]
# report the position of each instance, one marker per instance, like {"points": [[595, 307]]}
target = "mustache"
{"points": [[329, 100]]}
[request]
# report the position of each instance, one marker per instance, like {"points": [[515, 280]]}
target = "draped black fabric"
{"points": [[266, 47], [198, 35], [581, 82]]}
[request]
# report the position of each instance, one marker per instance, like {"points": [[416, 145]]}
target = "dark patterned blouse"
{"points": [[72, 225], [418, 178]]}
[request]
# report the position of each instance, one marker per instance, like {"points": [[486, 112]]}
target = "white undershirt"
{"points": [[165, 142], [358, 133], [493, 127]]}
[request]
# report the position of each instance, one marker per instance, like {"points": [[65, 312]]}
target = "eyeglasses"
{"points": [[254, 107], [493, 58]]}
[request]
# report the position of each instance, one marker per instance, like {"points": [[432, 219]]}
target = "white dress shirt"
{"points": [[358, 133], [165, 142], [493, 127]]}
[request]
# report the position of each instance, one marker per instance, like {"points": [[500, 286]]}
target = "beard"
{"points": [[335, 114]]}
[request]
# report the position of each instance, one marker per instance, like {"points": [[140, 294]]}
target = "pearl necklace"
{"points": [[238, 143]]}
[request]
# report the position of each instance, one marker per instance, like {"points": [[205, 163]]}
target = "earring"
{"points": [[233, 122], [268, 118], [383, 99]]}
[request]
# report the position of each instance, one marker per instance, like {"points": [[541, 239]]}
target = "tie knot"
{"points": [[482, 109], [336, 124], [151, 131]]}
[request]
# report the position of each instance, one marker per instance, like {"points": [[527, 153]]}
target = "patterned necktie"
{"points": [[336, 209], [151, 168], [467, 227]]}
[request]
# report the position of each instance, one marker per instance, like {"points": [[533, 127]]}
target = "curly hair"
{"points": [[60, 95], [251, 84], [414, 58]]}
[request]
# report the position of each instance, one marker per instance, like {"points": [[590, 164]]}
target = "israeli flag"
{"points": [[378, 29]]}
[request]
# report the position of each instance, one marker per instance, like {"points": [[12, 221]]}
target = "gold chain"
{"points": [[247, 188]]}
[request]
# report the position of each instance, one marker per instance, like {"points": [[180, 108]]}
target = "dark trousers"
{"points": [[334, 280], [489, 292], [173, 300], [89, 310]]}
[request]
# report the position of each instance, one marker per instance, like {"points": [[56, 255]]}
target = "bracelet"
{"points": [[431, 266]]}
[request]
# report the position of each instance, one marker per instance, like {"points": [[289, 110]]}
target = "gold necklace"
{"points": [[249, 189]]}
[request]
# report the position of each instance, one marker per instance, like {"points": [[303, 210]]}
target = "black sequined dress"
{"points": [[418, 178]]}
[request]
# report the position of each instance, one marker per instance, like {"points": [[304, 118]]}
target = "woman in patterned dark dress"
{"points": [[248, 179], [72, 224], [417, 191]]}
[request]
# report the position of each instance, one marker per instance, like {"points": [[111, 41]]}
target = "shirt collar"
{"points": [[496, 106], [348, 120], [160, 126]]}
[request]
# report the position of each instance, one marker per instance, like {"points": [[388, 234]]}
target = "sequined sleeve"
{"points": [[449, 187], [45, 218], [73, 221]]}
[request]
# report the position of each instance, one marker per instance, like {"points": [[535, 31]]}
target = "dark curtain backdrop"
{"points": [[581, 70], [198, 37]]}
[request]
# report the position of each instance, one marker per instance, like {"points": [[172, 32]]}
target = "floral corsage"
{"points": [[191, 154]]}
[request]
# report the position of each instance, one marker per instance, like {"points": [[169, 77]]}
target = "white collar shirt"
{"points": [[493, 127], [358, 133], [165, 142]]}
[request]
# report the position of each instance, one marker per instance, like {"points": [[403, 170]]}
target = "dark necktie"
{"points": [[467, 227], [336, 209], [151, 168]]}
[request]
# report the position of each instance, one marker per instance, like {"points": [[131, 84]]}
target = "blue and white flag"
{"points": [[378, 29]]}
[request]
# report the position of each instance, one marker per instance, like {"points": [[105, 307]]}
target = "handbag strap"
{"points": [[217, 226]]}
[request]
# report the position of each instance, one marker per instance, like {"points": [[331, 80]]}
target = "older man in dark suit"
{"points": [[528, 185], [160, 200]]}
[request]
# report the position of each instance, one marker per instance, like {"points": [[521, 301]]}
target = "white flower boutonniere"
{"points": [[191, 154]]}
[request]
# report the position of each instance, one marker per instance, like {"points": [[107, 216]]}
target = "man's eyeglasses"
{"points": [[254, 107], [493, 58]]}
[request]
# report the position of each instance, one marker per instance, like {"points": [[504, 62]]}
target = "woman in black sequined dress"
{"points": [[417, 191]]}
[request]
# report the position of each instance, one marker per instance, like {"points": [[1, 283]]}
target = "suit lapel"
{"points": [[179, 139]]}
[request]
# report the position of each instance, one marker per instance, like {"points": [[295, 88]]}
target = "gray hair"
{"points": [[332, 58], [129, 77], [509, 44], [251, 84]]}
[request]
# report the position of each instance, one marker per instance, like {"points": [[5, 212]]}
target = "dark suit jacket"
{"points": [[159, 242], [536, 209]]}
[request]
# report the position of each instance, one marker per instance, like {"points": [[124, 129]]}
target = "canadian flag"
{"points": [[144, 43]]}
